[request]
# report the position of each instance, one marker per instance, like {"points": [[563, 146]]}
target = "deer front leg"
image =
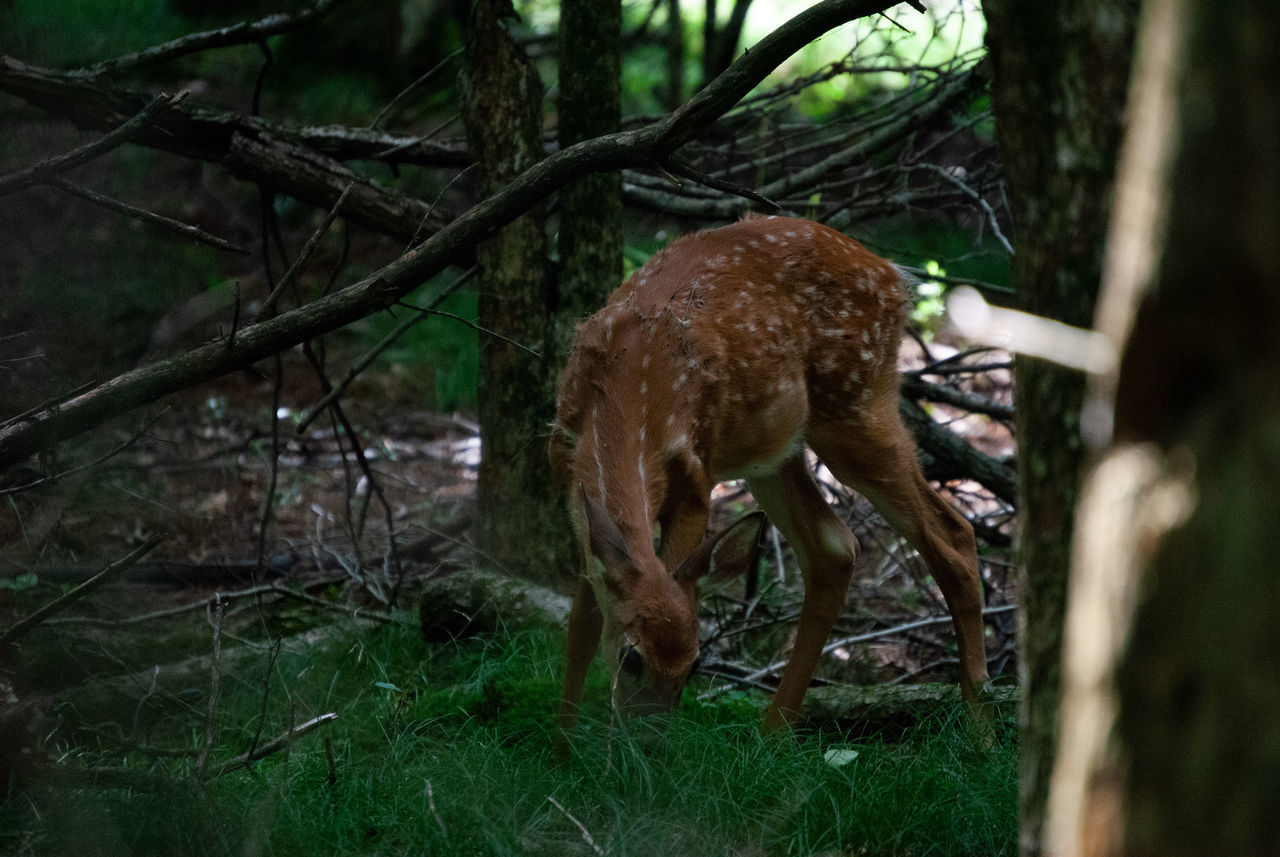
{"points": [[585, 623], [827, 552]]}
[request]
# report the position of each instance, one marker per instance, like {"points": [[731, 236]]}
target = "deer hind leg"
{"points": [[881, 464], [827, 552]]}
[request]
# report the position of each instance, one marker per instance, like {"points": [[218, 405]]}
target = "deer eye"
{"points": [[631, 661]]}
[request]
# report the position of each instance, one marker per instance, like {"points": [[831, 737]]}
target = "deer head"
{"points": [[650, 611]]}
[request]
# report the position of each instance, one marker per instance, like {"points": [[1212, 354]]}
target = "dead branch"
{"points": [[204, 132], [275, 745], [24, 626], [917, 388], [215, 688], [130, 129], [946, 456], [653, 143], [240, 33], [185, 230]]}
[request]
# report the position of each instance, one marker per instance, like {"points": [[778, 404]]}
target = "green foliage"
{"points": [[446, 749], [76, 32], [438, 360]]}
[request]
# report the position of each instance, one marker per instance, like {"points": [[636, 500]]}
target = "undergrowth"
{"points": [[446, 750]]}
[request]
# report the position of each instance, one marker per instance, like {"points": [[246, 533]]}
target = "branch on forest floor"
{"points": [[275, 745], [24, 626]]}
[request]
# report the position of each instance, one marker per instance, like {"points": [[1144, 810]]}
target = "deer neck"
{"points": [[642, 428]]}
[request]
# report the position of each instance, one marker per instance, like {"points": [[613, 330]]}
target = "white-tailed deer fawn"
{"points": [[721, 358]]}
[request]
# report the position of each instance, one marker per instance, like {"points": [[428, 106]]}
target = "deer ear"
{"points": [[602, 534], [728, 554]]}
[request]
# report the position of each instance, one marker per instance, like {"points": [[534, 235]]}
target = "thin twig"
{"points": [[471, 324], [307, 249], [142, 700], [431, 804], [586, 834], [65, 600], [688, 171], [17, 489], [275, 745], [186, 230], [236, 34], [372, 354], [46, 169], [272, 654], [412, 89], [215, 687], [352, 612], [203, 603], [976, 197], [777, 666]]}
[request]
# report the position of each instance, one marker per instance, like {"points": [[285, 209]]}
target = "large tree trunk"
{"points": [[1171, 733], [1060, 77], [590, 240], [502, 111]]}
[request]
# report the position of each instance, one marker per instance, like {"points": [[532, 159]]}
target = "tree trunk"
{"points": [[590, 240], [502, 111], [1060, 77], [719, 46], [1171, 741], [673, 97]]}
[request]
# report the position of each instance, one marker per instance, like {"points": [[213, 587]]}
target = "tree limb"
{"points": [[652, 143], [240, 33], [47, 169], [205, 132], [950, 457], [21, 628], [185, 230]]}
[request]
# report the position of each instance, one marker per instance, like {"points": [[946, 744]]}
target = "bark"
{"points": [[67, 417], [477, 603], [1060, 73], [1176, 718], [590, 238], [502, 111], [673, 95], [889, 711], [946, 456]]}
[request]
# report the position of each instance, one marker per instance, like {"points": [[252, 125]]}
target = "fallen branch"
{"points": [[946, 456], [62, 602], [275, 745], [653, 143]]}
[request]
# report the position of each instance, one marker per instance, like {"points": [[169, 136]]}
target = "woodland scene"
{"points": [[308, 539]]}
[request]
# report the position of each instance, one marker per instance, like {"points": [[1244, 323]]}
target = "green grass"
{"points": [[446, 750]]}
